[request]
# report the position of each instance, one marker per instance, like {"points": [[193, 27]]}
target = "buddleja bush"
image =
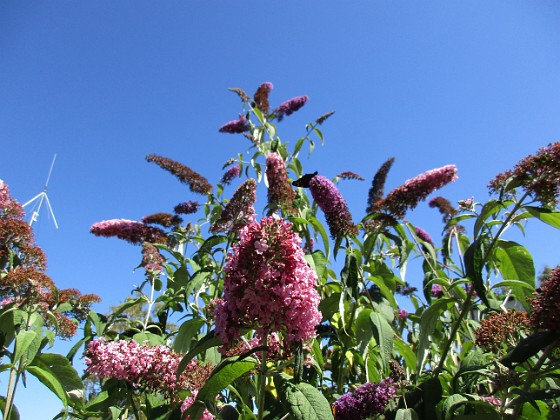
{"points": [[33, 312], [268, 327]]}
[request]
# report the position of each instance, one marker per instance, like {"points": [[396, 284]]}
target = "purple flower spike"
{"points": [[423, 235], [235, 126], [366, 401], [329, 199], [407, 196], [188, 207], [129, 230], [280, 192], [231, 173], [290, 106], [437, 291]]}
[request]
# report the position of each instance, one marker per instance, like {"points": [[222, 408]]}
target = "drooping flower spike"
{"points": [[196, 182], [240, 210], [378, 185], [128, 230], [280, 192], [290, 106]]}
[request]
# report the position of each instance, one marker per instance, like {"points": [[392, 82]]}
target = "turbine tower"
{"points": [[42, 196]]}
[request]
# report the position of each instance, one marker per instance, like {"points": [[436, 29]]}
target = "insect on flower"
{"points": [[303, 182]]}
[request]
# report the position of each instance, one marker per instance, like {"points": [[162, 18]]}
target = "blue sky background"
{"points": [[104, 83]]}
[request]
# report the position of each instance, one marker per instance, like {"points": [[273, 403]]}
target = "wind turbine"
{"points": [[42, 196]]}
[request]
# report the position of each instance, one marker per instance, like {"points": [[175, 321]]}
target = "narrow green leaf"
{"points": [[151, 338], [383, 333], [362, 329], [428, 322], [406, 352], [14, 414], [550, 217], [473, 264], [406, 414], [50, 381], [61, 369], [209, 340], [185, 335]]}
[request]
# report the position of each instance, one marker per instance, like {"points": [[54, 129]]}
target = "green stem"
{"points": [[262, 385]]}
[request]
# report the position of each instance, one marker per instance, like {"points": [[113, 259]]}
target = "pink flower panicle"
{"points": [[329, 199], [403, 314], [280, 192], [152, 260], [407, 196], [188, 402], [290, 106], [134, 232], [147, 368], [230, 174], [187, 207], [378, 185], [268, 285], [196, 182], [538, 174], [260, 99], [235, 127], [239, 211]]}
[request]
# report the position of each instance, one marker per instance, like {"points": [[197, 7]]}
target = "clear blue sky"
{"points": [[103, 83]]}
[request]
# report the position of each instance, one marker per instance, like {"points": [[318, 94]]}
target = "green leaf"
{"points": [[99, 399], [383, 333], [151, 338], [209, 340], [515, 263], [63, 372], [428, 322], [99, 325], [223, 375], [406, 414], [528, 347], [473, 264], [305, 402], [362, 329], [24, 339], [320, 263], [318, 226], [406, 352], [489, 209], [187, 331], [350, 275], [550, 217]]}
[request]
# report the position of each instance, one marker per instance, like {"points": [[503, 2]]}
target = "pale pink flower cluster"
{"points": [[129, 230], [150, 368], [268, 286], [206, 415]]}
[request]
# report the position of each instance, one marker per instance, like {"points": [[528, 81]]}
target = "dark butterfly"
{"points": [[303, 182]]}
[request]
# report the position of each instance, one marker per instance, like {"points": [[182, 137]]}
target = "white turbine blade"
{"points": [[51, 210], [33, 199]]}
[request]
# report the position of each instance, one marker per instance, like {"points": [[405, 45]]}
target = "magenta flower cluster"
{"points": [[366, 401], [407, 196], [290, 106], [187, 207], [148, 368], [230, 174], [268, 286], [437, 291], [329, 199], [423, 235], [280, 192], [129, 230], [188, 402], [236, 126]]}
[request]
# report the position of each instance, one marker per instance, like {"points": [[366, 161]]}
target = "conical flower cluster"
{"points": [[268, 286]]}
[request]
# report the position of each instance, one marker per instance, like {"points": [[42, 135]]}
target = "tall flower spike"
{"points": [[128, 230], [239, 211], [290, 106], [378, 185], [329, 199], [538, 174], [230, 174], [407, 196], [196, 182], [260, 99], [280, 192], [268, 286]]}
